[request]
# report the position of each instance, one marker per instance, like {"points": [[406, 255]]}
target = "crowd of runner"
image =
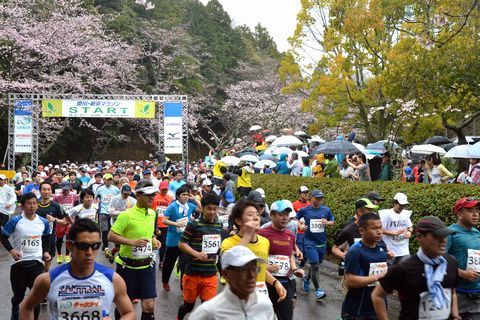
{"points": [[241, 257]]}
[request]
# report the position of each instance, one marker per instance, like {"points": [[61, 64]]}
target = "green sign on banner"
{"points": [[98, 108]]}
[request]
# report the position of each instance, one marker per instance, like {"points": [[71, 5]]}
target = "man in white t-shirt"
{"points": [[397, 227]]}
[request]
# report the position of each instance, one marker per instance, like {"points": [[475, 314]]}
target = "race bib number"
{"points": [[473, 260], [376, 269], [261, 287], [31, 244], [211, 243], [283, 263], [66, 207], [316, 226], [106, 199], [84, 185], [58, 191], [142, 252], [161, 211], [185, 220], [427, 309], [224, 220], [80, 309], [398, 238]]}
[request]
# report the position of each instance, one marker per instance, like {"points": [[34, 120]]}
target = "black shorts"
{"points": [[140, 282]]}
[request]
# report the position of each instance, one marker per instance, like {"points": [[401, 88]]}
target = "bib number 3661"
{"points": [[80, 309]]}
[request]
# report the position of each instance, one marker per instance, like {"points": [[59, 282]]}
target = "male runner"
{"points": [[66, 200], [134, 230], [82, 289], [464, 245], [425, 281], [281, 261], [365, 263], [317, 216], [160, 203], [201, 242], [105, 195], [30, 242]]}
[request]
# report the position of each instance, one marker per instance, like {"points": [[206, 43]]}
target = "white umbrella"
{"points": [[302, 154], [230, 160], [262, 163], [249, 158], [474, 151], [316, 139], [255, 128], [270, 138], [282, 150], [459, 152], [286, 141], [299, 133], [427, 149]]}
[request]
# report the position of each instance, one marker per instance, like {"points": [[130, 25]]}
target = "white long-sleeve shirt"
{"points": [[227, 306], [7, 199]]}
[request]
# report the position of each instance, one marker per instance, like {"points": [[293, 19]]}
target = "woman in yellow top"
{"points": [[318, 171], [246, 218], [437, 173]]}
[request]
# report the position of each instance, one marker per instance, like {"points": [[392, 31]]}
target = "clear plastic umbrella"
{"points": [[262, 163], [474, 151], [458, 152], [286, 141], [230, 160], [282, 150], [255, 128], [427, 149], [249, 158]]}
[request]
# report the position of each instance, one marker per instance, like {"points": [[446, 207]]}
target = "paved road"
{"points": [[167, 302]]}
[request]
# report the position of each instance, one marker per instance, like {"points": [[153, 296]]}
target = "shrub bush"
{"points": [[340, 196]]}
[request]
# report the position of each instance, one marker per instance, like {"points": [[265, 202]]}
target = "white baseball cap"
{"points": [[261, 191], [238, 256], [207, 182], [401, 198]]}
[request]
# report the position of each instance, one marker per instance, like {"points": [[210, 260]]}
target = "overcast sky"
{"points": [[278, 16]]}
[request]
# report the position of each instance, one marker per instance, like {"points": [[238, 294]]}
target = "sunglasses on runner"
{"points": [[86, 246]]}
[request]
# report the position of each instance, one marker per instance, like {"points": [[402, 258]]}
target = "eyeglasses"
{"points": [[86, 246], [148, 195]]}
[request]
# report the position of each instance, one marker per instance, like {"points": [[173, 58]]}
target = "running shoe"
{"points": [[177, 270], [166, 286], [67, 259], [306, 284], [320, 294], [59, 259]]}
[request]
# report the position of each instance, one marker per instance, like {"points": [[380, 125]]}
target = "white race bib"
{"points": [[79, 309], [316, 226], [184, 219], [283, 263], [376, 269], [473, 260], [211, 243], [427, 309], [31, 244], [66, 207], [142, 252], [261, 287], [224, 221], [161, 211], [107, 198], [398, 238]]}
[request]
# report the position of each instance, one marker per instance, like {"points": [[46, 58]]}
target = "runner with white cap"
{"points": [[238, 299], [134, 230], [397, 227]]}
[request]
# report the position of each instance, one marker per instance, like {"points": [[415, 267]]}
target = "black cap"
{"points": [[256, 197], [126, 188], [386, 154], [374, 195], [433, 225]]}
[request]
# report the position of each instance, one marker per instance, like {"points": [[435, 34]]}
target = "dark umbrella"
{"points": [[437, 140], [337, 147], [448, 146]]}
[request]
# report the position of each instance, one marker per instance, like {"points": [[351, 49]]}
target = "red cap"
{"points": [[163, 185], [465, 203]]}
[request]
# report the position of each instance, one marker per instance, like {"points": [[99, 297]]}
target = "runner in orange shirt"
{"points": [[160, 203]]}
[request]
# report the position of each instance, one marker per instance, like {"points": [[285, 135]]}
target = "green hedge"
{"points": [[340, 195]]}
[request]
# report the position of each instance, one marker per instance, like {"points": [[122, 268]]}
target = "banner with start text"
{"points": [[98, 108]]}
